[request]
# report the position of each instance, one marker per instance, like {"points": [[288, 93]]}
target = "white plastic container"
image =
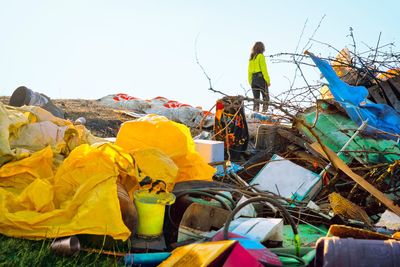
{"points": [[211, 151]]}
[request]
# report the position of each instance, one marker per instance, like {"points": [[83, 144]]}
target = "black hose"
{"points": [[274, 202]]}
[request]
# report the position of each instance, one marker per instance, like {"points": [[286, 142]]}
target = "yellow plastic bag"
{"points": [[81, 198], [173, 139], [157, 165]]}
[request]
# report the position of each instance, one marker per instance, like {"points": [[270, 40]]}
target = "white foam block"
{"points": [[211, 151]]}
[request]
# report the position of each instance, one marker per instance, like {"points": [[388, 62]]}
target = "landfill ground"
{"points": [[123, 181]]}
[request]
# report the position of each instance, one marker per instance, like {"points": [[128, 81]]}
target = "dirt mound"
{"points": [[100, 120]]}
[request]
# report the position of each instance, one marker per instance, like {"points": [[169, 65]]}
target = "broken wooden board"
{"points": [[338, 163], [387, 92], [395, 83], [391, 95], [376, 94]]}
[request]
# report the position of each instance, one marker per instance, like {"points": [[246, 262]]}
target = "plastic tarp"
{"points": [[334, 129], [172, 139], [382, 119], [80, 197], [173, 110]]}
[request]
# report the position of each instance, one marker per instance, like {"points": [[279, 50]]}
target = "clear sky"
{"points": [[91, 48]]}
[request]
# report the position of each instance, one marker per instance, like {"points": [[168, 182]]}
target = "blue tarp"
{"points": [[381, 118]]}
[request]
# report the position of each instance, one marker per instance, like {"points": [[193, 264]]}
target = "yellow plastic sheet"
{"points": [[81, 197], [171, 138]]}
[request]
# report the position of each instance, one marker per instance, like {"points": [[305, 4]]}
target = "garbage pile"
{"points": [[322, 190]]}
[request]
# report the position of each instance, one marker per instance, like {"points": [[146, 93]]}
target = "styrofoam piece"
{"points": [[260, 229], [389, 220], [285, 178], [210, 150], [311, 205]]}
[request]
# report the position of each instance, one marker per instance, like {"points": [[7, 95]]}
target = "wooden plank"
{"points": [[395, 83], [337, 162], [292, 138], [375, 93], [388, 91]]}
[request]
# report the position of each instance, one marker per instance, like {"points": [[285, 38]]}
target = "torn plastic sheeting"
{"points": [[81, 198], [171, 138], [285, 178], [381, 118], [231, 168], [334, 129]]}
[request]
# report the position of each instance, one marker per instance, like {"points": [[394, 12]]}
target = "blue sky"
{"points": [[91, 48]]}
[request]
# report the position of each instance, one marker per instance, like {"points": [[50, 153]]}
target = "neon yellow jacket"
{"points": [[258, 64]]}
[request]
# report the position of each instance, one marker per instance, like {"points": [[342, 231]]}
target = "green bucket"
{"points": [[151, 209]]}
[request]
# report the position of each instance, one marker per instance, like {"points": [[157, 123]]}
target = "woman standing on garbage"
{"points": [[258, 76]]}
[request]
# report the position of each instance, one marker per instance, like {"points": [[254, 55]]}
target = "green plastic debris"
{"points": [[334, 129], [309, 235]]}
